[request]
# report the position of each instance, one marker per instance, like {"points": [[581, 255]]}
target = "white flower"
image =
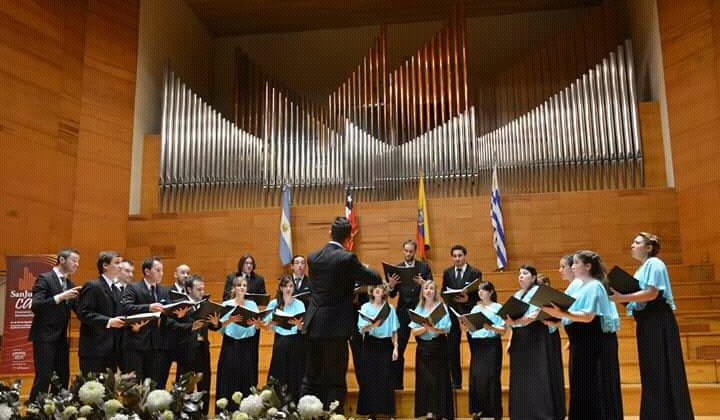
{"points": [[112, 406], [237, 397], [252, 405], [337, 417], [69, 411], [5, 412], [158, 400], [167, 415], [86, 410], [119, 417], [33, 410], [266, 395], [221, 403], [271, 411], [239, 415], [333, 405], [82, 418], [92, 392], [310, 407], [49, 408]]}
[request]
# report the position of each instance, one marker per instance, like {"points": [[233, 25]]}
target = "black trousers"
{"points": [[49, 357], [356, 346], [199, 362], [97, 364], [326, 363], [153, 364], [454, 352]]}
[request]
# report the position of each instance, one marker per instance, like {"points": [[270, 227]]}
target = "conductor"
{"points": [[329, 319]]}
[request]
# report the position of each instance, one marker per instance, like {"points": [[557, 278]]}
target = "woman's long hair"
{"points": [[597, 267], [282, 282], [422, 295]]}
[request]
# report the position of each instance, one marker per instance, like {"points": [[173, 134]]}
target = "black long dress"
{"points": [[235, 368], [433, 391], [594, 382], [377, 395], [485, 398], [287, 364], [535, 391], [665, 392]]}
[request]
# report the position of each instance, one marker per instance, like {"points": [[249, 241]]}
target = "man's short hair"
{"points": [[341, 229], [148, 263], [65, 254], [458, 247], [105, 257]]}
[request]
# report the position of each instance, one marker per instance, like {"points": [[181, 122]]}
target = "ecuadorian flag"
{"points": [[423, 224]]}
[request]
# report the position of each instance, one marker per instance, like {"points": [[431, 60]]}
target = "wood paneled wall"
{"points": [[531, 80], [539, 227], [68, 76], [690, 33]]}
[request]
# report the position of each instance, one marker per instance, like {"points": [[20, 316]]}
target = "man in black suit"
{"points": [[98, 308], [179, 352], [147, 344], [196, 341], [125, 276], [246, 268], [456, 277], [409, 297], [53, 296], [300, 278], [328, 321]]}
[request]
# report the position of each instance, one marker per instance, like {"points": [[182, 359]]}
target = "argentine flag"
{"points": [[285, 246], [497, 222]]}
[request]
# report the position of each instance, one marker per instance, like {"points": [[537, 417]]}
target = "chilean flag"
{"points": [[350, 215]]}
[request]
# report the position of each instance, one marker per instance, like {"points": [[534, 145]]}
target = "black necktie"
{"points": [[152, 292], [458, 275], [63, 283]]}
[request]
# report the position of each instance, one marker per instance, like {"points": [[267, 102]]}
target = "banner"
{"points": [[17, 355]]}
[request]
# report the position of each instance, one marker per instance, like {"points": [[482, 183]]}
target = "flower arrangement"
{"points": [[272, 402], [107, 396]]}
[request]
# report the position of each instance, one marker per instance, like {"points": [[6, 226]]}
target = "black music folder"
{"points": [[381, 315], [546, 295], [260, 298], [207, 307], [248, 314], [622, 281], [469, 288], [282, 319], [137, 318], [435, 316], [406, 274], [514, 308], [476, 320]]}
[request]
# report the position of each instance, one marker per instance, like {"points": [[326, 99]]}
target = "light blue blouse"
{"points": [[491, 313], [591, 297], [531, 308], [444, 323], [295, 307], [386, 329], [653, 272], [572, 286], [234, 330]]}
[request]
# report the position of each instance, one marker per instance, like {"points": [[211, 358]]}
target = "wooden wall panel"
{"points": [[66, 111], [540, 228], [690, 34]]}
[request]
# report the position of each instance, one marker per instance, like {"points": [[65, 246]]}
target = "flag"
{"points": [[423, 225], [497, 222], [285, 246], [350, 215]]}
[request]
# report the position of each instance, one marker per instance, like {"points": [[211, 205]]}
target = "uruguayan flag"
{"points": [[497, 222], [285, 247]]}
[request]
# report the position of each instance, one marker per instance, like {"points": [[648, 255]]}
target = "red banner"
{"points": [[17, 354]]}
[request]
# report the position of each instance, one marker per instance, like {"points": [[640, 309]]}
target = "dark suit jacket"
{"points": [[471, 273], [410, 291], [304, 287], [334, 271], [256, 284], [50, 320], [96, 305], [136, 299]]}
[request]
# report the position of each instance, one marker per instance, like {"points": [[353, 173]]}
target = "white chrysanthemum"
{"points": [[239, 415], [5, 412], [337, 417], [167, 415], [158, 400], [92, 392], [237, 397], [49, 408], [333, 405], [86, 410], [252, 405], [112, 406], [69, 411], [120, 417], [310, 407], [221, 403], [271, 411], [266, 395], [82, 418]]}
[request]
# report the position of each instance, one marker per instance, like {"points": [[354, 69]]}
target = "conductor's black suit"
{"points": [[329, 320]]}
